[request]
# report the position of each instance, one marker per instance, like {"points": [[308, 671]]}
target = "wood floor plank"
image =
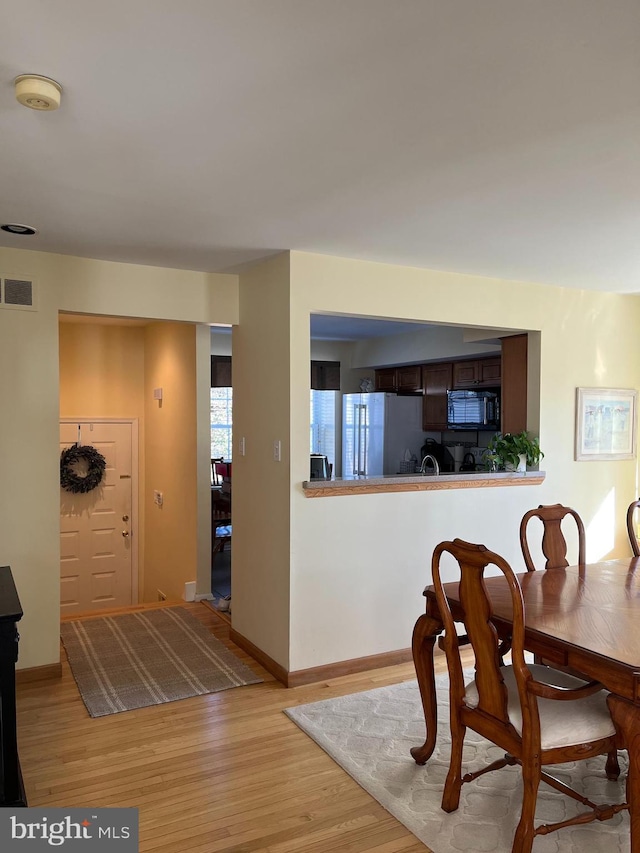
{"points": [[220, 773]]}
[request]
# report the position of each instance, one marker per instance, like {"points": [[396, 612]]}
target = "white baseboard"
{"points": [[203, 596]]}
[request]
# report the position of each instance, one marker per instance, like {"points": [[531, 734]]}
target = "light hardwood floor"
{"points": [[222, 772]]}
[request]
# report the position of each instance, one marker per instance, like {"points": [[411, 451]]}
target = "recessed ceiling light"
{"points": [[14, 228]]}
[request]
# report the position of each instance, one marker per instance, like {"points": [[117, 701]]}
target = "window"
{"points": [[323, 424], [221, 422]]}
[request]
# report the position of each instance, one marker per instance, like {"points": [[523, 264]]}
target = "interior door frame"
{"points": [[135, 531]]}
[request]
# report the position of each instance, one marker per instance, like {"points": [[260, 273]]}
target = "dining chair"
{"points": [[632, 528], [554, 549], [221, 535], [502, 702], [220, 508], [554, 545]]}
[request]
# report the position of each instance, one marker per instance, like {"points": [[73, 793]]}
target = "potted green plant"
{"points": [[513, 451]]}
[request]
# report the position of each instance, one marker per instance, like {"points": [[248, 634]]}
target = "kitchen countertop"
{"points": [[419, 483]]}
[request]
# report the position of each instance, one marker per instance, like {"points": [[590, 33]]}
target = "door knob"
{"points": [[125, 533], [125, 518]]}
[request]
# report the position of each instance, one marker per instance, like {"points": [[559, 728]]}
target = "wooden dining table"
{"points": [[585, 617]]}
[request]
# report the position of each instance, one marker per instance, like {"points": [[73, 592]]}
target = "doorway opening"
{"points": [[120, 369], [99, 528], [221, 423]]}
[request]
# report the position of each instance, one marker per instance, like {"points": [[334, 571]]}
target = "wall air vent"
{"points": [[18, 293]]}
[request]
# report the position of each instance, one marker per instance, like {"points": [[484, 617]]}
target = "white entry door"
{"points": [[96, 529]]}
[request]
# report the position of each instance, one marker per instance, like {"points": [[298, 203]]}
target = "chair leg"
{"points": [[523, 839], [612, 768], [453, 784]]}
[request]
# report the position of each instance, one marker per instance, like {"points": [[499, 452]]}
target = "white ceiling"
{"points": [[499, 137], [342, 327]]}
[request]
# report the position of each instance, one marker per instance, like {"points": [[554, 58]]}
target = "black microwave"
{"points": [[473, 410]]}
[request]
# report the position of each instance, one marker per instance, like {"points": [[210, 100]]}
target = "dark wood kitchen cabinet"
{"points": [[479, 373], [436, 381], [514, 383], [325, 375], [409, 379], [403, 380], [221, 371], [386, 379]]}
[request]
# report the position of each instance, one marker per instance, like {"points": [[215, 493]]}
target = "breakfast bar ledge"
{"points": [[419, 483]]}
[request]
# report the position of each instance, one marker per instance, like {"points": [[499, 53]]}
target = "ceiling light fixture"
{"points": [[14, 228], [37, 92]]}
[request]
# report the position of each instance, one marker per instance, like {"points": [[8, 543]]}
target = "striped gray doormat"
{"points": [[147, 658]]}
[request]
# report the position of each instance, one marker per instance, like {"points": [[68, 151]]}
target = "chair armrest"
{"points": [[463, 640], [563, 694]]}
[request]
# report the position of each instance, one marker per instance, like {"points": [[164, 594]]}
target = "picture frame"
{"points": [[606, 422]]}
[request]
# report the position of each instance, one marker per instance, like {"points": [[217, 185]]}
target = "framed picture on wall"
{"points": [[605, 423]]}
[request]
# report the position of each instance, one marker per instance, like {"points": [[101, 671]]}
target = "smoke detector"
{"points": [[37, 92]]}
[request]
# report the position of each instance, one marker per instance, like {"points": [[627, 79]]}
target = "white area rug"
{"points": [[370, 735]]}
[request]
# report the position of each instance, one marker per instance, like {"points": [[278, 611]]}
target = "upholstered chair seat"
{"points": [[561, 723]]}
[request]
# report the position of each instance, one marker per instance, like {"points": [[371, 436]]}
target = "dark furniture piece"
{"points": [[585, 617], [631, 528], [220, 506], [501, 703], [11, 785]]}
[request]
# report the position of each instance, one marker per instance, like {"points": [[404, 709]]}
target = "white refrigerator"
{"points": [[377, 429]]}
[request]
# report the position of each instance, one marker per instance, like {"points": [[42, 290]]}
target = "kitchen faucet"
{"points": [[434, 462]]}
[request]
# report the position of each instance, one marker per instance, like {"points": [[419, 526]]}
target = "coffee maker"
{"points": [[321, 468]]}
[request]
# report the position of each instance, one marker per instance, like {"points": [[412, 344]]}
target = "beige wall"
{"points": [[170, 462], [314, 581], [101, 371], [30, 471], [130, 290], [359, 564], [220, 343], [29, 390], [261, 486]]}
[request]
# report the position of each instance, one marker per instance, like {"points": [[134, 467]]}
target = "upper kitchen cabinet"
{"points": [[482, 372], [436, 381], [325, 375], [409, 379], [221, 371], [403, 380], [386, 379], [514, 383]]}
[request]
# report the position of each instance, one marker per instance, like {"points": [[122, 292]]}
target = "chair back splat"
{"points": [[632, 528], [554, 545], [480, 630], [501, 703]]}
